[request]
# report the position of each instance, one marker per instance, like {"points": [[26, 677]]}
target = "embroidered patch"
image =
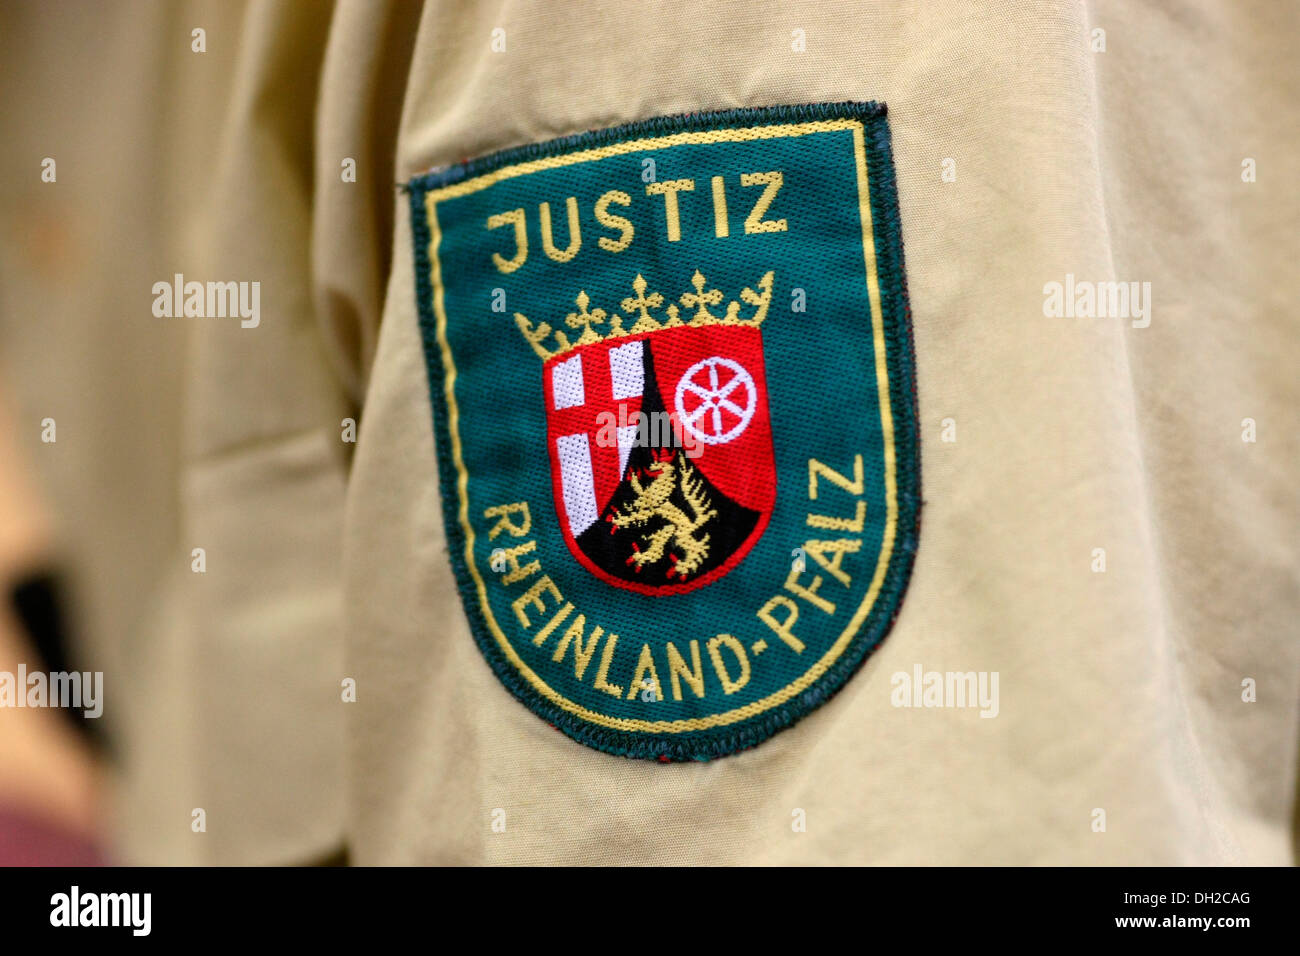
{"points": [[675, 416]]}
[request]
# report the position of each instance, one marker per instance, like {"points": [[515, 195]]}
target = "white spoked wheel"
{"points": [[725, 400]]}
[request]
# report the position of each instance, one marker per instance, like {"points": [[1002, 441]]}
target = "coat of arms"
{"points": [[658, 432]]}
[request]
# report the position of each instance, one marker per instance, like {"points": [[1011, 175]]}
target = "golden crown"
{"points": [[641, 305]]}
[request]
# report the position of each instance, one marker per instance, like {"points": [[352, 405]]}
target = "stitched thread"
{"points": [[899, 360]]}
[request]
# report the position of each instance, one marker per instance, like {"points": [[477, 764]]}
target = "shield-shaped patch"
{"points": [[675, 414]]}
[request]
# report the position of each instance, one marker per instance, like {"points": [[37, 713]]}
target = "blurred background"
{"points": [[109, 130]]}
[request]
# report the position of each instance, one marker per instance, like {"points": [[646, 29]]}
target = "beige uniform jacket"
{"points": [[1099, 141]]}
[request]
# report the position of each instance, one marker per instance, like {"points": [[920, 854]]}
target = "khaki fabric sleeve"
{"points": [[1121, 691], [301, 201], [256, 652]]}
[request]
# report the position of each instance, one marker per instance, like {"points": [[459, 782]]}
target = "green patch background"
{"points": [[823, 402]]}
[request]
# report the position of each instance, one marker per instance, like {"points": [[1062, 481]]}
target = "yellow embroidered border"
{"points": [[882, 384]]}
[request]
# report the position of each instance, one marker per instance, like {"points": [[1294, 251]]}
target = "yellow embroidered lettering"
{"points": [[721, 228], [511, 556], [552, 624], [678, 671], [645, 665], [602, 682], [611, 221], [575, 231], [515, 218], [818, 550], [729, 684], [809, 593], [830, 523], [669, 190], [533, 596], [782, 628], [755, 222], [816, 468], [504, 512], [581, 655]]}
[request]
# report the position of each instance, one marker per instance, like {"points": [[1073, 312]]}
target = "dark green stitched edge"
{"points": [[899, 359]]}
